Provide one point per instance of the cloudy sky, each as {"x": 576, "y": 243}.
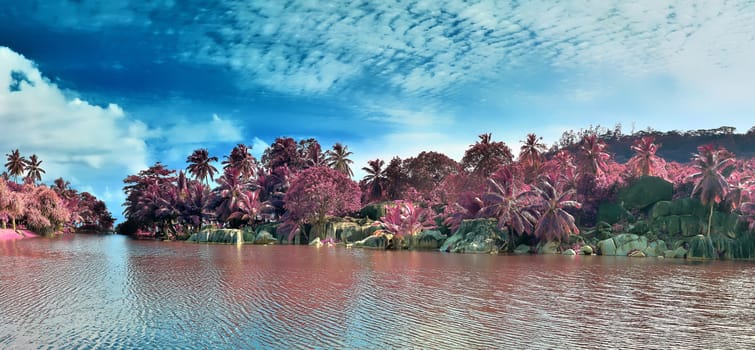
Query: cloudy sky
{"x": 100, "y": 89}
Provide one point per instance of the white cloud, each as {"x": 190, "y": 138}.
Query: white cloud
{"x": 258, "y": 147}
{"x": 86, "y": 144}
{"x": 68, "y": 134}
{"x": 434, "y": 46}
{"x": 196, "y": 132}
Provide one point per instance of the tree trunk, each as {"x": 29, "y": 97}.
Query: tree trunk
{"x": 710, "y": 218}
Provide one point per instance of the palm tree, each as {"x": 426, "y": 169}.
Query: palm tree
{"x": 592, "y": 155}
{"x": 249, "y": 206}
{"x": 16, "y": 164}
{"x": 554, "y": 222}
{"x": 485, "y": 156}
{"x": 645, "y": 162}
{"x": 33, "y": 170}
{"x": 504, "y": 204}
{"x": 199, "y": 165}
{"x": 337, "y": 159}
{"x": 375, "y": 178}
{"x": 242, "y": 160}
{"x": 531, "y": 151}
{"x": 230, "y": 193}
{"x": 710, "y": 182}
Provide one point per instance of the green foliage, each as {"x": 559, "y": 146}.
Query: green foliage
{"x": 645, "y": 192}
{"x": 613, "y": 213}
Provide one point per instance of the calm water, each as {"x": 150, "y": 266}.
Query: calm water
{"x": 110, "y": 291}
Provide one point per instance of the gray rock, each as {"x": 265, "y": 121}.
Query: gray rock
{"x": 625, "y": 243}
{"x": 233, "y": 236}
{"x": 549, "y": 248}
{"x": 569, "y": 252}
{"x": 429, "y": 239}
{"x": 316, "y": 242}
{"x": 264, "y": 237}
{"x": 474, "y": 236}
{"x": 655, "y": 248}
{"x": 607, "y": 247}
{"x": 522, "y": 249}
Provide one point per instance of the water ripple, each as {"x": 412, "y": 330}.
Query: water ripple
{"x": 111, "y": 292}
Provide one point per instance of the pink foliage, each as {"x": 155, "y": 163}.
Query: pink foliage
{"x": 645, "y": 162}
{"x": 554, "y": 222}
{"x": 320, "y": 191}
{"x": 710, "y": 182}
{"x": 404, "y": 219}
{"x": 44, "y": 210}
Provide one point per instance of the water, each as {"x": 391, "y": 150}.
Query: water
{"x": 113, "y": 292}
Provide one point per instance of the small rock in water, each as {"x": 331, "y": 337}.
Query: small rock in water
{"x": 586, "y": 249}
{"x": 636, "y": 254}
{"x": 569, "y": 252}
{"x": 316, "y": 242}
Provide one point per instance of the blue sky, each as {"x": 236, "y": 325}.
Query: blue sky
{"x": 102, "y": 89}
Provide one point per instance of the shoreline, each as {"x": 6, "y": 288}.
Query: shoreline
{"x": 11, "y": 235}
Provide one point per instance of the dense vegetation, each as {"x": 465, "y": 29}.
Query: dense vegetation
{"x": 544, "y": 195}
{"x": 42, "y": 209}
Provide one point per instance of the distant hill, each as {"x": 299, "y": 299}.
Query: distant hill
{"x": 676, "y": 146}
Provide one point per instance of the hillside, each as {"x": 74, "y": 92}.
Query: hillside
{"x": 676, "y": 146}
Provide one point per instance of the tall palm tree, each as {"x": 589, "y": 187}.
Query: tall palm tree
{"x": 485, "y": 156}
{"x": 230, "y": 193}
{"x": 645, "y": 162}
{"x": 33, "y": 170}
{"x": 16, "y": 164}
{"x": 710, "y": 179}
{"x": 241, "y": 160}
{"x": 337, "y": 159}
{"x": 375, "y": 178}
{"x": 531, "y": 151}
{"x": 199, "y": 165}
{"x": 592, "y": 155}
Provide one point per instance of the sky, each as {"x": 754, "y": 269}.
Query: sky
{"x": 100, "y": 90}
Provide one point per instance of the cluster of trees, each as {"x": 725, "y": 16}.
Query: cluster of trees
{"x": 46, "y": 209}
{"x": 294, "y": 182}
{"x": 299, "y": 185}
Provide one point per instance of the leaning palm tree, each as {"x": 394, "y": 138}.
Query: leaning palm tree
{"x": 710, "y": 180}
{"x": 199, "y": 165}
{"x": 375, "y": 178}
{"x": 33, "y": 170}
{"x": 16, "y": 164}
{"x": 337, "y": 159}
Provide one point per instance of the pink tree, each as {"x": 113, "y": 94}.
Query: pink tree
{"x": 318, "y": 192}
{"x": 554, "y": 223}
{"x": 710, "y": 179}
{"x": 645, "y": 162}
{"x": 44, "y": 212}
{"x": 12, "y": 205}
{"x": 485, "y": 156}
{"x": 404, "y": 219}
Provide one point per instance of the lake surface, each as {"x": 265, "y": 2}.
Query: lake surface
{"x": 114, "y": 292}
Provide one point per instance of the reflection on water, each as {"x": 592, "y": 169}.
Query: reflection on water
{"x": 109, "y": 291}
